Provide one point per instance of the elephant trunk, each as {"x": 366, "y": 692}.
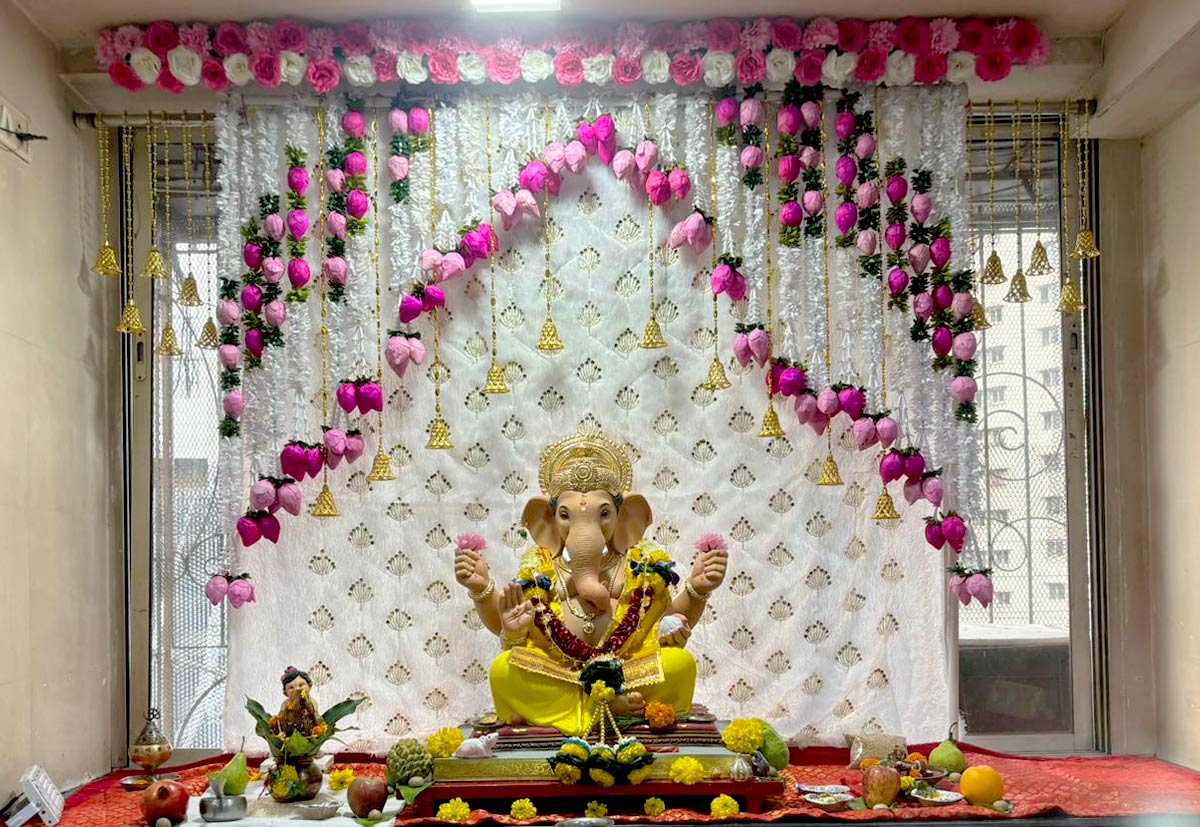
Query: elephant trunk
{"x": 586, "y": 546}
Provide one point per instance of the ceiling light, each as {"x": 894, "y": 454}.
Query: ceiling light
{"x": 487, "y": 6}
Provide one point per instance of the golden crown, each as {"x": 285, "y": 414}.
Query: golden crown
{"x": 585, "y": 462}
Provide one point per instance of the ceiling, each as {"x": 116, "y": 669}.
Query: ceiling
{"x": 74, "y": 21}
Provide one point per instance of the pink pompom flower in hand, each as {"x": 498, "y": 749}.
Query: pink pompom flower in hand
{"x": 248, "y": 531}
{"x": 711, "y": 542}
{"x": 241, "y": 592}
{"x": 216, "y": 589}
{"x": 471, "y": 542}
{"x": 347, "y": 396}
{"x": 262, "y": 494}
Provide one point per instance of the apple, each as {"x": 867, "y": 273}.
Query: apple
{"x": 366, "y": 794}
{"x": 881, "y": 785}
{"x": 165, "y": 799}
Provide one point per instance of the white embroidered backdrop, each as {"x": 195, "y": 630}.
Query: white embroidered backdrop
{"x": 828, "y": 623}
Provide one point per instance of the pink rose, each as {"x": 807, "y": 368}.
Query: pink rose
{"x": 664, "y": 37}
{"x": 727, "y": 111}
{"x": 383, "y": 63}
{"x": 418, "y": 120}
{"x": 810, "y": 67}
{"x": 230, "y": 39}
{"x": 786, "y": 34}
{"x": 273, "y": 226}
{"x": 791, "y": 214}
{"x": 266, "y": 68}
{"x": 275, "y": 313}
{"x": 357, "y": 203}
{"x": 993, "y": 65}
{"x": 943, "y": 36}
{"x": 626, "y": 70}
{"x": 752, "y": 113}
{"x": 752, "y": 157}
{"x": 658, "y": 188}
{"x": 686, "y": 68}
{"x": 161, "y": 37}
{"x": 820, "y": 33}
{"x": 974, "y": 35}
{"x": 353, "y": 123}
{"x": 398, "y": 119}
{"x": 354, "y": 38}
{"x": 913, "y": 35}
{"x": 398, "y": 167}
{"x": 751, "y": 67}
{"x": 213, "y": 75}
{"x": 723, "y": 34}
{"x": 443, "y": 67}
{"x": 929, "y": 68}
{"x": 503, "y": 67}
{"x": 335, "y": 179}
{"x": 290, "y": 36}
{"x": 871, "y": 65}
{"x": 470, "y": 541}
{"x": 568, "y": 69}
{"x": 355, "y": 163}
{"x": 298, "y": 273}
{"x": 168, "y": 82}
{"x": 1025, "y": 40}
{"x": 335, "y": 225}
{"x": 107, "y": 49}
{"x": 323, "y": 75}
{"x": 788, "y": 168}
{"x": 297, "y": 179}
{"x": 852, "y": 35}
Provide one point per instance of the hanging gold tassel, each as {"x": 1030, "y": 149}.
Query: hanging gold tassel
{"x": 131, "y": 320}
{"x": 189, "y": 294}
{"x": 381, "y": 468}
{"x": 324, "y": 505}
{"x": 1070, "y": 302}
{"x": 830, "y": 475}
{"x": 979, "y": 319}
{"x": 495, "y": 380}
{"x": 717, "y": 380}
{"x": 106, "y": 261}
{"x": 155, "y": 266}
{"x": 208, "y": 338}
{"x": 1018, "y": 291}
{"x": 548, "y": 341}
{"x": 885, "y": 508}
{"x": 993, "y": 271}
{"x": 168, "y": 343}
{"x": 771, "y": 429}
{"x": 652, "y": 339}
{"x": 1039, "y": 261}
{"x": 439, "y": 435}
{"x": 1085, "y": 245}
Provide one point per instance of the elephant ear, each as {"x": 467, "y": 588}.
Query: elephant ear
{"x": 538, "y": 517}
{"x": 633, "y": 518}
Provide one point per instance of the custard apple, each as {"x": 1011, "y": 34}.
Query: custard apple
{"x": 408, "y": 759}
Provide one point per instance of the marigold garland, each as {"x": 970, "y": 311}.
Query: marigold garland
{"x": 455, "y": 810}
{"x": 445, "y": 742}
{"x": 724, "y": 806}
{"x": 523, "y": 809}
{"x": 654, "y": 807}
{"x": 687, "y": 771}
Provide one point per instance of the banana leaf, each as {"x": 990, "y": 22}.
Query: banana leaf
{"x": 338, "y": 711}
{"x": 257, "y": 711}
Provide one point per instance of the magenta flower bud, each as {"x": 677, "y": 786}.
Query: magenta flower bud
{"x": 843, "y": 125}
{"x": 897, "y": 281}
{"x": 788, "y": 168}
{"x": 788, "y": 119}
{"x": 727, "y": 111}
{"x": 921, "y": 206}
{"x": 813, "y": 202}
{"x": 943, "y": 341}
{"x": 418, "y": 120}
{"x": 897, "y": 188}
{"x": 867, "y": 241}
{"x": 912, "y": 490}
{"x": 772, "y": 378}
{"x": 252, "y": 298}
{"x": 914, "y": 465}
{"x": 681, "y": 183}
{"x": 752, "y": 113}
{"x": 586, "y": 133}
{"x": 314, "y": 460}
{"x": 846, "y": 170}
{"x": 791, "y": 214}
{"x": 297, "y": 221}
{"x": 355, "y": 164}
{"x": 370, "y": 397}
{"x": 291, "y": 460}
{"x": 228, "y": 312}
{"x": 357, "y": 203}
{"x": 852, "y": 401}
{"x": 792, "y": 381}
{"x": 888, "y": 430}
{"x": 810, "y": 112}
{"x": 355, "y": 443}
{"x": 254, "y": 342}
{"x": 658, "y": 188}
{"x": 894, "y": 236}
{"x": 939, "y": 252}
{"x": 933, "y": 491}
{"x": 923, "y": 306}
{"x": 299, "y": 273}
{"x": 216, "y": 589}
{"x": 918, "y": 258}
{"x": 262, "y": 494}
{"x": 979, "y": 586}
{"x": 275, "y": 313}
{"x": 335, "y": 225}
{"x": 335, "y": 179}
{"x": 864, "y": 434}
{"x": 297, "y": 180}
{"x": 410, "y": 308}
{"x": 290, "y": 498}
{"x": 891, "y": 467}
{"x": 252, "y": 255}
{"x": 867, "y": 195}
{"x": 962, "y": 305}
{"x": 249, "y": 532}
{"x": 864, "y": 147}
{"x": 353, "y": 123}
{"x": 233, "y": 403}
{"x": 230, "y": 356}
{"x": 269, "y": 526}
{"x": 828, "y": 402}
{"x": 347, "y": 396}
{"x": 954, "y": 529}
{"x": 934, "y": 536}
{"x": 398, "y": 119}
{"x": 964, "y": 346}
{"x": 846, "y": 216}
{"x": 943, "y": 296}
{"x": 806, "y": 408}
{"x": 818, "y": 422}
{"x": 963, "y": 389}
{"x": 646, "y": 156}
{"x": 241, "y": 591}
{"x": 273, "y": 226}
{"x": 272, "y": 269}
{"x": 752, "y": 157}
{"x": 534, "y": 176}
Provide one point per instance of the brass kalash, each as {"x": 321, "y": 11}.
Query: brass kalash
{"x": 150, "y": 750}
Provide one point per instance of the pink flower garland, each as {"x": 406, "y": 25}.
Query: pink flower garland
{"x": 298, "y": 272}
{"x": 410, "y": 134}
{"x": 346, "y": 202}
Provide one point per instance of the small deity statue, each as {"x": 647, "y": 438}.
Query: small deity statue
{"x": 298, "y": 713}
{"x": 591, "y": 590}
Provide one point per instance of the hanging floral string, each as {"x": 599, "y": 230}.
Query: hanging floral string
{"x": 298, "y": 272}
{"x": 347, "y": 203}
{"x": 155, "y": 267}
{"x": 658, "y": 189}
{"x": 548, "y": 339}
{"x": 168, "y": 343}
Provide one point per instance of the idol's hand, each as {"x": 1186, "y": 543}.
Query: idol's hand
{"x": 709, "y": 571}
{"x": 471, "y": 570}
{"x": 516, "y": 613}
{"x": 679, "y": 637}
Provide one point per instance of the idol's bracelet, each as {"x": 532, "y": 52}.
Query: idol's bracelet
{"x": 479, "y": 597}
{"x": 693, "y": 592}
{"x": 509, "y": 642}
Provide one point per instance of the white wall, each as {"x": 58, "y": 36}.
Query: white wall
{"x": 60, "y": 562}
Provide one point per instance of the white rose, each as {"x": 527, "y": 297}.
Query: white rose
{"x": 411, "y": 68}
{"x": 900, "y": 69}
{"x": 145, "y": 64}
{"x": 359, "y": 70}
{"x": 656, "y": 67}
{"x": 718, "y": 69}
{"x": 960, "y": 67}
{"x": 837, "y": 69}
{"x": 471, "y": 69}
{"x": 598, "y": 69}
{"x": 184, "y": 65}
{"x": 781, "y": 63}
{"x": 293, "y": 66}
{"x": 237, "y": 69}
{"x": 536, "y": 66}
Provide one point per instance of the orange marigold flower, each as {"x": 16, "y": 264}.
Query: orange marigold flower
{"x": 660, "y": 715}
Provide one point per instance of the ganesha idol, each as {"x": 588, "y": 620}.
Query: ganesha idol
{"x": 590, "y": 590}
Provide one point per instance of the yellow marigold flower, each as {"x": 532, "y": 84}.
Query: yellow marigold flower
{"x": 595, "y": 809}
{"x": 523, "y": 809}
{"x": 687, "y": 771}
{"x": 654, "y": 807}
{"x": 444, "y": 742}
{"x": 630, "y": 752}
{"x": 660, "y": 715}
{"x": 907, "y": 782}
{"x": 724, "y": 806}
{"x": 320, "y": 729}
{"x": 574, "y": 750}
{"x": 454, "y": 810}
{"x": 567, "y": 774}
{"x": 602, "y": 777}
{"x": 341, "y": 779}
{"x": 279, "y": 789}
{"x": 288, "y": 773}
{"x": 659, "y": 556}
{"x": 743, "y": 735}
{"x": 639, "y": 775}
{"x": 602, "y": 692}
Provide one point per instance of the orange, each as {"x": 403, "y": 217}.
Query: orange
{"x": 982, "y": 785}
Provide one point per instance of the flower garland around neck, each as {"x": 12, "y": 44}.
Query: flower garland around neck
{"x": 410, "y": 135}
{"x": 263, "y": 311}
{"x": 298, "y": 272}
{"x": 347, "y": 202}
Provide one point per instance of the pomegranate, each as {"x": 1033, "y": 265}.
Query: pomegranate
{"x": 881, "y": 785}
{"x": 165, "y": 799}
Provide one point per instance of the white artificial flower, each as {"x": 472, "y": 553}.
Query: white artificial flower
{"x": 237, "y": 69}
{"x": 597, "y": 69}
{"x": 359, "y": 70}
{"x": 145, "y": 64}
{"x": 411, "y": 68}
{"x": 184, "y": 65}
{"x": 781, "y": 64}
{"x": 656, "y": 67}
{"x": 900, "y": 69}
{"x": 718, "y": 69}
{"x": 471, "y": 68}
{"x": 293, "y": 66}
{"x": 536, "y": 66}
{"x": 837, "y": 69}
{"x": 960, "y": 67}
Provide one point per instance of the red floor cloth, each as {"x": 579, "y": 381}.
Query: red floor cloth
{"x": 1096, "y": 787}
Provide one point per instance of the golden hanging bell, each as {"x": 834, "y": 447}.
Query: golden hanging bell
{"x": 168, "y": 343}
{"x": 208, "y": 338}
{"x": 106, "y": 261}
{"x": 717, "y": 380}
{"x": 324, "y": 507}
{"x": 548, "y": 341}
{"x": 1039, "y": 261}
{"x": 189, "y": 294}
{"x": 830, "y": 475}
{"x": 1018, "y": 291}
{"x": 652, "y": 339}
{"x": 439, "y": 435}
{"x": 495, "y": 380}
{"x": 885, "y": 509}
{"x": 131, "y": 320}
{"x": 381, "y": 468}
{"x": 1085, "y": 245}
{"x": 155, "y": 266}
{"x": 1070, "y": 302}
{"x": 993, "y": 271}
{"x": 979, "y": 319}
{"x": 771, "y": 429}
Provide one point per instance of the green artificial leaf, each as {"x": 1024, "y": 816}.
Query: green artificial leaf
{"x": 409, "y": 794}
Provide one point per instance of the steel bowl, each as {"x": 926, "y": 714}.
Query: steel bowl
{"x": 319, "y": 811}
{"x": 225, "y": 808}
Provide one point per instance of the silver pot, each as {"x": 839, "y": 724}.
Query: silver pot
{"x": 225, "y": 808}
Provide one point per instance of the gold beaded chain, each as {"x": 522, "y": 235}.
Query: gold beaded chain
{"x": 131, "y": 318}
{"x": 106, "y": 259}
{"x": 381, "y": 467}
{"x": 164, "y": 159}
{"x": 1018, "y": 292}
{"x": 993, "y": 270}
{"x": 652, "y": 338}
{"x": 495, "y": 382}
{"x": 324, "y": 506}
{"x": 1039, "y": 263}
{"x": 548, "y": 341}
{"x": 717, "y": 380}
{"x": 439, "y": 431}
{"x": 155, "y": 267}
{"x": 830, "y": 474}
{"x": 771, "y": 429}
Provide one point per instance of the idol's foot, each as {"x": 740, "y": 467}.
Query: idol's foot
{"x": 631, "y": 703}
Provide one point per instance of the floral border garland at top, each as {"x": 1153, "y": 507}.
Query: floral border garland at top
{"x": 714, "y": 52}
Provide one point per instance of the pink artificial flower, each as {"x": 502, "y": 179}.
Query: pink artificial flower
{"x": 241, "y": 591}
{"x": 212, "y": 72}
{"x": 398, "y": 119}
{"x": 554, "y": 155}
{"x": 809, "y": 158}
{"x": 161, "y": 37}
{"x": 760, "y": 345}
{"x": 418, "y": 120}
{"x": 471, "y": 541}
{"x": 788, "y": 120}
{"x": 1024, "y": 39}
{"x": 503, "y": 67}
{"x": 335, "y": 179}
{"x": 228, "y": 313}
{"x": 727, "y": 111}
{"x": 216, "y": 589}
{"x": 273, "y": 226}
{"x": 568, "y": 69}
{"x": 756, "y": 35}
{"x": 267, "y": 70}
{"x": 811, "y": 112}
{"x": 791, "y": 214}
{"x": 693, "y": 36}
{"x": 913, "y": 35}
{"x": 383, "y": 63}
{"x": 410, "y": 308}
{"x": 357, "y": 203}
{"x": 646, "y": 156}
{"x": 258, "y": 36}
{"x": 320, "y": 43}
{"x": 297, "y": 180}
{"x": 106, "y": 48}
{"x": 864, "y": 147}
{"x": 233, "y": 403}
{"x": 272, "y": 269}
{"x": 230, "y": 39}
{"x": 711, "y": 542}
{"x": 230, "y": 356}
{"x": 786, "y": 34}
{"x": 353, "y": 123}
{"x": 126, "y": 39}
{"x": 335, "y": 225}
{"x": 852, "y": 35}
{"x": 882, "y": 33}
{"x": 663, "y": 37}
{"x": 866, "y": 241}
{"x": 846, "y": 216}
{"x": 974, "y": 36}
{"x": 398, "y": 167}
{"x": 323, "y": 74}
{"x": 751, "y": 67}
{"x": 993, "y": 64}
{"x": 810, "y": 67}
{"x": 631, "y": 40}
{"x": 123, "y": 76}
{"x": 930, "y": 68}
{"x": 658, "y": 187}
{"x": 335, "y": 270}
{"x": 846, "y": 168}
{"x": 723, "y": 34}
{"x": 820, "y": 33}
{"x": 275, "y": 313}
{"x": 443, "y": 67}
{"x": 354, "y": 39}
{"x": 752, "y": 113}
{"x": 788, "y": 168}
{"x": 289, "y": 36}
{"x": 626, "y": 70}
{"x": 943, "y": 36}
{"x": 575, "y": 156}
{"x": 752, "y": 157}
{"x": 168, "y": 82}
{"x": 418, "y": 36}
{"x": 624, "y": 165}
{"x": 871, "y": 65}
{"x": 686, "y": 68}
{"x": 505, "y": 203}
{"x": 681, "y": 183}
{"x": 355, "y": 163}
{"x": 813, "y": 202}
{"x": 534, "y": 176}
